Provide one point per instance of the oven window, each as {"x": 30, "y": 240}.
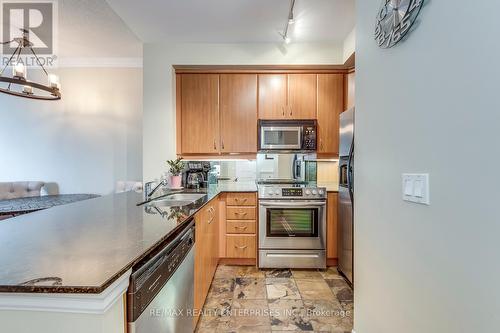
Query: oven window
{"x": 292, "y": 222}
{"x": 281, "y": 137}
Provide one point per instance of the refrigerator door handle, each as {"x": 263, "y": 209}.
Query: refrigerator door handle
{"x": 349, "y": 170}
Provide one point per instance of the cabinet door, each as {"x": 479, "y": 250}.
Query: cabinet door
{"x": 330, "y": 105}
{"x": 301, "y": 96}
{"x": 200, "y": 262}
{"x": 331, "y": 226}
{"x": 350, "y": 89}
{"x": 213, "y": 248}
{"x": 238, "y": 113}
{"x": 199, "y": 113}
{"x": 272, "y": 96}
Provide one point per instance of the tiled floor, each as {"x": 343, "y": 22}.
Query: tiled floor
{"x": 245, "y": 299}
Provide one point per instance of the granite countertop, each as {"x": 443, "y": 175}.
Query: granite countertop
{"x": 85, "y": 246}
{"x": 31, "y": 204}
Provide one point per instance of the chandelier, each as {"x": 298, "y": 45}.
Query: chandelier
{"x": 18, "y": 84}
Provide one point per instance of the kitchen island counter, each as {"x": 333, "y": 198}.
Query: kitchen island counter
{"x": 85, "y": 246}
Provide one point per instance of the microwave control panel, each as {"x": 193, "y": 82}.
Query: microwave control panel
{"x": 309, "y": 134}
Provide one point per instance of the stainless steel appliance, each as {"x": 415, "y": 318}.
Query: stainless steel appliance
{"x": 292, "y": 226}
{"x": 196, "y": 174}
{"x": 287, "y": 135}
{"x": 346, "y": 195}
{"x": 160, "y": 294}
{"x": 286, "y": 168}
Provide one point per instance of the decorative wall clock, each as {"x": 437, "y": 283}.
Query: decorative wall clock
{"x": 394, "y": 20}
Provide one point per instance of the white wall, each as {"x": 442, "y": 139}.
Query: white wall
{"x": 349, "y": 45}
{"x": 430, "y": 104}
{"x": 85, "y": 142}
{"x": 93, "y": 136}
{"x": 159, "y": 83}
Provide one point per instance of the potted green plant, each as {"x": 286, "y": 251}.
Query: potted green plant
{"x": 175, "y": 167}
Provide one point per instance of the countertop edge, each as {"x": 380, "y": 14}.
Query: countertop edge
{"x": 67, "y": 303}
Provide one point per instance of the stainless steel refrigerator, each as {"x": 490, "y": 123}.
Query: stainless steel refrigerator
{"x": 346, "y": 195}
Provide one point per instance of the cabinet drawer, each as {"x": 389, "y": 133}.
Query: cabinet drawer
{"x": 241, "y": 199}
{"x": 240, "y": 213}
{"x": 240, "y": 227}
{"x": 241, "y": 246}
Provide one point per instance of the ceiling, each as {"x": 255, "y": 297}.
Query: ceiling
{"x": 235, "y": 21}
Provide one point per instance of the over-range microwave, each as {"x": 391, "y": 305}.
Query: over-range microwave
{"x": 287, "y": 135}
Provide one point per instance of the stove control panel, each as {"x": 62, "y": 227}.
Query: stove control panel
{"x": 286, "y": 192}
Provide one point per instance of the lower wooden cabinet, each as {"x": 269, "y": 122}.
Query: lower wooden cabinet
{"x": 331, "y": 226}
{"x": 206, "y": 252}
{"x": 239, "y": 229}
{"x": 240, "y": 246}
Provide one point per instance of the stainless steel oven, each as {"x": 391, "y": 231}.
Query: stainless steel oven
{"x": 292, "y": 227}
{"x": 287, "y": 135}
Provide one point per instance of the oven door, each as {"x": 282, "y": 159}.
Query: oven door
{"x": 280, "y": 138}
{"x": 293, "y": 224}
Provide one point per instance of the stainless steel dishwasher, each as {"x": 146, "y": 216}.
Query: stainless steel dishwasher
{"x": 160, "y": 296}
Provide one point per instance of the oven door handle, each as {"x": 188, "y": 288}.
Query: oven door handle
{"x": 292, "y": 203}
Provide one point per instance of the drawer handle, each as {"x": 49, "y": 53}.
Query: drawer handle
{"x": 243, "y": 227}
{"x": 241, "y": 247}
{"x": 238, "y": 199}
{"x": 243, "y": 213}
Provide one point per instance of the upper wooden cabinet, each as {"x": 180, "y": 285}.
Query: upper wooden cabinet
{"x": 272, "y": 96}
{"x": 199, "y": 113}
{"x": 287, "y": 96}
{"x": 238, "y": 113}
{"x": 217, "y": 112}
{"x": 330, "y": 105}
{"x": 302, "y": 96}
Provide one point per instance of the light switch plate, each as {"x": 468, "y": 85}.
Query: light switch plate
{"x": 416, "y": 188}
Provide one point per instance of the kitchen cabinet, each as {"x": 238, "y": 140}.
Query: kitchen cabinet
{"x": 206, "y": 252}
{"x": 273, "y": 96}
{"x": 238, "y": 113}
{"x": 287, "y": 96}
{"x": 241, "y": 246}
{"x": 240, "y": 229}
{"x": 330, "y": 105}
{"x": 217, "y": 110}
{"x": 199, "y": 113}
{"x": 331, "y": 225}
{"x": 302, "y": 96}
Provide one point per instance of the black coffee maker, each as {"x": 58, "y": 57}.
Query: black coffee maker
{"x": 196, "y": 174}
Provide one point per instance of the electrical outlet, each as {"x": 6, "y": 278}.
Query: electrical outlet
{"x": 416, "y": 188}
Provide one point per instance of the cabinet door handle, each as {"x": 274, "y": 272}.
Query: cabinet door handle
{"x": 240, "y": 247}
{"x": 211, "y": 220}
{"x": 321, "y": 144}
{"x": 222, "y": 144}
{"x": 290, "y": 107}
{"x": 242, "y": 228}
{"x": 283, "y": 110}
{"x": 215, "y": 146}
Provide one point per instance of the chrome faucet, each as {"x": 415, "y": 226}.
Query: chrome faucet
{"x": 148, "y": 194}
